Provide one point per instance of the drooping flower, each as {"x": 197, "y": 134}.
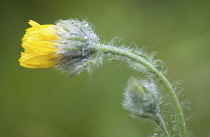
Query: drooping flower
{"x": 67, "y": 45}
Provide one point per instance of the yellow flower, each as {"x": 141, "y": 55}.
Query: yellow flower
{"x": 39, "y": 46}
{"x": 67, "y": 45}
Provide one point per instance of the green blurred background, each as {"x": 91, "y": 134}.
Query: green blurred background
{"x": 44, "y": 103}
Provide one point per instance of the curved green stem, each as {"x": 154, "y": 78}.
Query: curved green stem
{"x": 154, "y": 70}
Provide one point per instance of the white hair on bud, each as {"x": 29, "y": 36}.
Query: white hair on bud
{"x": 141, "y": 97}
{"x": 76, "y": 39}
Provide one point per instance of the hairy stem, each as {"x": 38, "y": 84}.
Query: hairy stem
{"x": 158, "y": 119}
{"x": 154, "y": 70}
{"x": 162, "y": 124}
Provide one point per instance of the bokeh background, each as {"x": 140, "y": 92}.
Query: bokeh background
{"x": 45, "y": 103}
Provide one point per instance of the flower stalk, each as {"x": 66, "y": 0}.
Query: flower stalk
{"x": 152, "y": 69}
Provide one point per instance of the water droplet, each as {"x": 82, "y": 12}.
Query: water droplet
{"x": 86, "y": 24}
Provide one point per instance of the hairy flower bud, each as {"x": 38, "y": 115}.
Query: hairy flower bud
{"x": 76, "y": 39}
{"x": 141, "y": 98}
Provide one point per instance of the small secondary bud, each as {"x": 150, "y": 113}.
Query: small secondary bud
{"x": 141, "y": 98}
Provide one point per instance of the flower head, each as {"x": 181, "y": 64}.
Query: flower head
{"x": 67, "y": 45}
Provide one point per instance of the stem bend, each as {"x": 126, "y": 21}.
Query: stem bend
{"x": 154, "y": 70}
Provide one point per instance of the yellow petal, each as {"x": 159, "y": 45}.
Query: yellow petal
{"x": 39, "y": 45}
{"x": 37, "y": 61}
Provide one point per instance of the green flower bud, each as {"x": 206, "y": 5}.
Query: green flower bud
{"x": 141, "y": 98}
